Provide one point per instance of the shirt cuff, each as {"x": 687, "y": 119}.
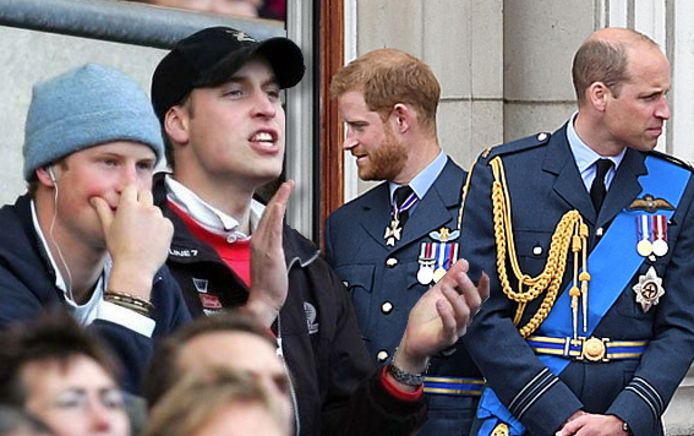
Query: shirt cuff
{"x": 125, "y": 317}
{"x": 396, "y": 391}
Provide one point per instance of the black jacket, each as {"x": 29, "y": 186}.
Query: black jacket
{"x": 337, "y": 388}
{"x": 27, "y": 289}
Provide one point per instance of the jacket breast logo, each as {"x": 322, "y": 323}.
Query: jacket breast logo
{"x": 311, "y": 315}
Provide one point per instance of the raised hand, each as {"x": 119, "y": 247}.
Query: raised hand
{"x": 137, "y": 237}
{"x": 440, "y": 317}
{"x": 269, "y": 282}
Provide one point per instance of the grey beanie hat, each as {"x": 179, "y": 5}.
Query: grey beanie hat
{"x": 84, "y": 107}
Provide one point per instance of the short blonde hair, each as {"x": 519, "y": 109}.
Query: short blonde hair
{"x": 197, "y": 397}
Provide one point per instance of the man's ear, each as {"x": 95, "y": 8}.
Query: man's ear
{"x": 403, "y": 117}
{"x": 46, "y": 176}
{"x": 176, "y": 123}
{"x": 597, "y": 95}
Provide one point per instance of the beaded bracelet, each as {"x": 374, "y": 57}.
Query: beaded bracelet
{"x": 405, "y": 377}
{"x": 131, "y": 302}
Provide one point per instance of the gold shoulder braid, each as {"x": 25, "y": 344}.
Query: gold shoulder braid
{"x": 569, "y": 232}
{"x": 463, "y": 193}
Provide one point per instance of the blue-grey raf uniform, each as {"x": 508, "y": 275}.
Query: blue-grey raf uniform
{"x": 634, "y": 382}
{"x": 383, "y": 284}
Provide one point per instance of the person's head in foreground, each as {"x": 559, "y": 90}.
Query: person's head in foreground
{"x": 231, "y": 340}
{"x": 56, "y": 371}
{"x": 219, "y": 402}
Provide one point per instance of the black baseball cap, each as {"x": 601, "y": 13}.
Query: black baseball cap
{"x": 211, "y": 56}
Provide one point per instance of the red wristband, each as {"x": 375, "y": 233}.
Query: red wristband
{"x": 394, "y": 390}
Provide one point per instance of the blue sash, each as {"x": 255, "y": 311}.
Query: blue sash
{"x": 663, "y": 180}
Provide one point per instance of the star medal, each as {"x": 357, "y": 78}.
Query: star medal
{"x": 660, "y": 247}
{"x": 426, "y": 261}
{"x": 649, "y": 289}
{"x": 643, "y": 230}
{"x": 393, "y": 232}
{"x": 394, "y": 229}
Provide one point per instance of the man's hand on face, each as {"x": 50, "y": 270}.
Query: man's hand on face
{"x": 137, "y": 237}
{"x": 269, "y": 282}
{"x": 440, "y": 317}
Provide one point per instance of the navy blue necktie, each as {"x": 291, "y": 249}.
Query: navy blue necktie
{"x": 400, "y": 195}
{"x": 597, "y": 189}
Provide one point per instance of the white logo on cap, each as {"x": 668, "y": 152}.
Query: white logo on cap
{"x": 240, "y": 36}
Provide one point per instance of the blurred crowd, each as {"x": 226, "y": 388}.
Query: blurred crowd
{"x": 270, "y": 9}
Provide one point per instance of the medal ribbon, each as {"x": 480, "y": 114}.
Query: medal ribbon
{"x": 663, "y": 179}
{"x": 660, "y": 226}
{"x": 441, "y": 255}
{"x": 644, "y": 228}
{"x": 409, "y": 202}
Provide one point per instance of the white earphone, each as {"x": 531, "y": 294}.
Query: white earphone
{"x": 51, "y": 174}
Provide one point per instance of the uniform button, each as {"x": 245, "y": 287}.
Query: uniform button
{"x": 599, "y": 231}
{"x": 391, "y": 262}
{"x": 346, "y": 283}
{"x": 382, "y": 356}
{"x": 386, "y": 307}
{"x": 537, "y": 250}
{"x": 541, "y": 136}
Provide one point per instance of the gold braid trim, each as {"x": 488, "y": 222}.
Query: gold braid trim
{"x": 466, "y": 188}
{"x": 530, "y": 288}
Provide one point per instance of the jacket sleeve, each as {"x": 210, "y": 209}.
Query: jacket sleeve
{"x": 357, "y": 402}
{"x": 669, "y": 354}
{"x": 22, "y": 303}
{"x": 523, "y": 383}
{"x": 18, "y": 302}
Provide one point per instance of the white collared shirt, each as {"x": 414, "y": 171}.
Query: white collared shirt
{"x": 95, "y": 307}
{"x": 208, "y": 216}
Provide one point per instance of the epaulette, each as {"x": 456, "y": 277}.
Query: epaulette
{"x": 526, "y": 143}
{"x": 672, "y": 159}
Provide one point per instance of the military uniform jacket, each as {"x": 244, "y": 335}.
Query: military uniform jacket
{"x": 338, "y": 390}
{"x": 544, "y": 183}
{"x": 382, "y": 280}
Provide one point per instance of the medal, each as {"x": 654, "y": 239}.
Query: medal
{"x": 426, "y": 260}
{"x": 438, "y": 274}
{"x": 644, "y": 248}
{"x": 660, "y": 247}
{"x": 425, "y": 275}
{"x": 643, "y": 233}
{"x": 393, "y": 232}
{"x": 394, "y": 229}
{"x": 446, "y": 252}
{"x": 649, "y": 289}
